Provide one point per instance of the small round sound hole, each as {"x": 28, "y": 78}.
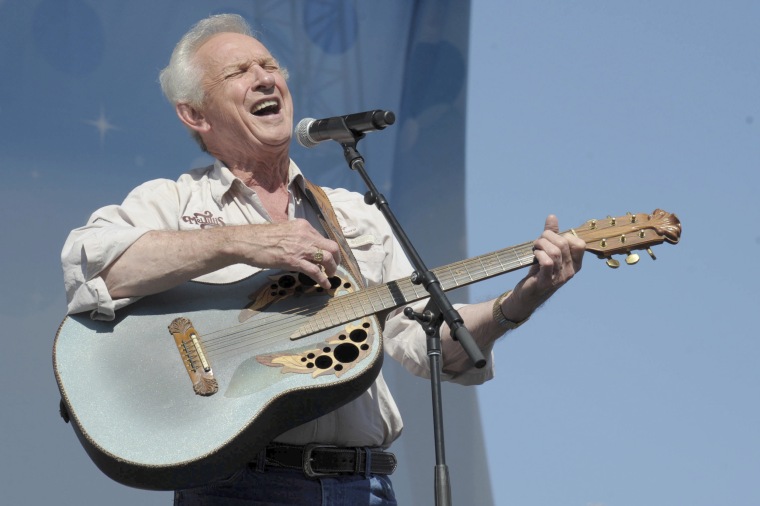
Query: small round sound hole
{"x": 358, "y": 335}
{"x": 306, "y": 280}
{"x": 286, "y": 281}
{"x": 323, "y": 362}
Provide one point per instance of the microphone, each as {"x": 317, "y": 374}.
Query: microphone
{"x": 311, "y": 132}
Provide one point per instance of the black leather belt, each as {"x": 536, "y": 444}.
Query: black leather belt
{"x": 324, "y": 460}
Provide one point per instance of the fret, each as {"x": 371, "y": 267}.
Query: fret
{"x": 348, "y": 308}
{"x": 501, "y": 264}
{"x": 384, "y": 297}
{"x": 453, "y": 275}
{"x": 343, "y": 307}
{"x": 467, "y": 268}
{"x": 329, "y": 313}
{"x": 490, "y": 263}
{"x": 482, "y": 266}
{"x": 372, "y": 307}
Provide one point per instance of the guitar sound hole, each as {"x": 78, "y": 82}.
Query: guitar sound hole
{"x": 286, "y": 281}
{"x": 358, "y": 335}
{"x": 323, "y": 362}
{"x": 306, "y": 280}
{"x": 346, "y": 353}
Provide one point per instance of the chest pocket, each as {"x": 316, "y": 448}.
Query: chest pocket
{"x": 369, "y": 253}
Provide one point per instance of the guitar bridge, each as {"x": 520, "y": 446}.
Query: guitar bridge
{"x": 191, "y": 350}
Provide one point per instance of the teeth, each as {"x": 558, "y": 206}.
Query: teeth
{"x": 264, "y": 105}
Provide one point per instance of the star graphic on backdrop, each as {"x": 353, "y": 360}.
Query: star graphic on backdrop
{"x": 102, "y": 124}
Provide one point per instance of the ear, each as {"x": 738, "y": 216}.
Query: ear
{"x": 192, "y": 117}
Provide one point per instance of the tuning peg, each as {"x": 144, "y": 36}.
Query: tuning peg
{"x": 632, "y": 258}
{"x": 651, "y": 253}
{"x": 612, "y": 263}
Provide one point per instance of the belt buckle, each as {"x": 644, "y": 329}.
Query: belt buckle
{"x": 307, "y": 459}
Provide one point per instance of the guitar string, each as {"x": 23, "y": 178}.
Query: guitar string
{"x": 237, "y": 337}
{"x": 277, "y": 323}
{"x": 522, "y": 253}
{"x": 283, "y": 325}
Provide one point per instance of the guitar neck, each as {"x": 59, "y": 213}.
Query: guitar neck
{"x": 397, "y": 293}
{"x": 605, "y": 238}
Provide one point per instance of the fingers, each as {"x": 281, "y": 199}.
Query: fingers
{"x": 315, "y": 255}
{"x": 559, "y": 257}
{"x": 323, "y": 263}
{"x": 552, "y": 224}
{"x": 293, "y": 245}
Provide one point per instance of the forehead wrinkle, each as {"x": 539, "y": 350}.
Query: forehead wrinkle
{"x": 230, "y": 56}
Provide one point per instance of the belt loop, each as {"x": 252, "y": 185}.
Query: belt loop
{"x": 367, "y": 462}
{"x": 261, "y": 461}
{"x": 357, "y": 460}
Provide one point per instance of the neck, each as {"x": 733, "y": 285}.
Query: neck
{"x": 269, "y": 175}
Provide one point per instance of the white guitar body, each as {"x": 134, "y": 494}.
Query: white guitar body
{"x": 129, "y": 391}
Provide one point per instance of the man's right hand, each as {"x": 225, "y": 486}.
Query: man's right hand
{"x": 292, "y": 245}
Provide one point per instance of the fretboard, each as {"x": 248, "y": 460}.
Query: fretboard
{"x": 397, "y": 293}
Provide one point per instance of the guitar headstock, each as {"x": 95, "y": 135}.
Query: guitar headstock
{"x": 625, "y": 234}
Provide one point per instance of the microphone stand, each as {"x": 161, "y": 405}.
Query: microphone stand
{"x": 438, "y": 309}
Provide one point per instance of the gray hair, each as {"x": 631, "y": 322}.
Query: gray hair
{"x": 181, "y": 79}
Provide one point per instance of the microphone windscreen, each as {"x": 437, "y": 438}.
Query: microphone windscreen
{"x": 302, "y": 133}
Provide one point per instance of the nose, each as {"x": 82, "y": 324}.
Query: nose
{"x": 264, "y": 79}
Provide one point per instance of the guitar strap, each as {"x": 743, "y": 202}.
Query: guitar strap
{"x": 321, "y": 204}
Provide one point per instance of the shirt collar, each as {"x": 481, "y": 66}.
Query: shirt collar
{"x": 222, "y": 180}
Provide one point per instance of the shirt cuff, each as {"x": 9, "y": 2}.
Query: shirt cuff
{"x": 93, "y": 296}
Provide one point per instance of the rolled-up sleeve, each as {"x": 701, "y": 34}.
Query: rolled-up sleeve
{"x": 406, "y": 342}
{"x": 108, "y": 233}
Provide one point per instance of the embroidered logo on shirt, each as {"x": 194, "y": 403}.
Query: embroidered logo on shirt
{"x": 205, "y": 220}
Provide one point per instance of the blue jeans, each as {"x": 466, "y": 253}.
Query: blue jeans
{"x": 280, "y": 486}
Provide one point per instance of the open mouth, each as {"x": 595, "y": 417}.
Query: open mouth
{"x": 266, "y": 108}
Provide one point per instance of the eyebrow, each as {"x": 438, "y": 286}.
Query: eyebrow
{"x": 262, "y": 61}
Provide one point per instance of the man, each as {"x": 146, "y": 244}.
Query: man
{"x": 248, "y": 212}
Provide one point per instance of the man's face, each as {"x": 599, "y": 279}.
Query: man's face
{"x": 247, "y": 104}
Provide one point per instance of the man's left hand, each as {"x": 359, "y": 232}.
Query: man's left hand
{"x": 558, "y": 259}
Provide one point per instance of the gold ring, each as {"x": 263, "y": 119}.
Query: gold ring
{"x": 318, "y": 256}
